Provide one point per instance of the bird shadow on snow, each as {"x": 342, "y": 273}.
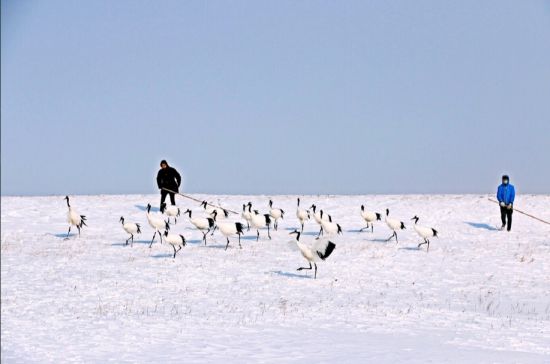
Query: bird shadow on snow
{"x": 479, "y": 225}
{"x": 64, "y": 235}
{"x": 195, "y": 241}
{"x": 147, "y": 242}
{"x": 380, "y": 241}
{"x": 290, "y": 275}
{"x": 410, "y": 248}
{"x": 365, "y": 232}
{"x": 299, "y": 228}
{"x": 159, "y": 256}
{"x": 144, "y": 208}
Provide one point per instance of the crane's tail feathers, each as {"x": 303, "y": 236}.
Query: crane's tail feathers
{"x": 138, "y": 228}
{"x": 402, "y": 226}
{"x": 378, "y": 216}
{"x": 328, "y": 251}
{"x": 434, "y": 231}
{"x": 239, "y": 227}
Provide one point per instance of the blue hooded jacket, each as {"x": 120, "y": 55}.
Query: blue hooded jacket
{"x": 506, "y": 193}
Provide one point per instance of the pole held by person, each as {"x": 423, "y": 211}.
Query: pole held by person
{"x": 524, "y": 213}
{"x": 197, "y": 200}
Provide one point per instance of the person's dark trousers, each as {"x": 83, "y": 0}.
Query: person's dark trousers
{"x": 506, "y": 214}
{"x": 163, "y": 194}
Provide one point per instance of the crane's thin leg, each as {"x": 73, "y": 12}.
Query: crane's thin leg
{"x": 257, "y": 235}
{"x": 204, "y": 237}
{"x": 301, "y": 268}
{"x": 227, "y": 243}
{"x": 240, "y": 241}
{"x": 315, "y": 270}
{"x": 155, "y": 234}
{"x": 68, "y": 232}
{"x": 424, "y": 242}
{"x": 268, "y": 234}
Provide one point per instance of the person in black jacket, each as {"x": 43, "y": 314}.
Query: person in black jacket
{"x": 168, "y": 178}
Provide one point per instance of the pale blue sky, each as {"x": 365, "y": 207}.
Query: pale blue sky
{"x": 275, "y": 97}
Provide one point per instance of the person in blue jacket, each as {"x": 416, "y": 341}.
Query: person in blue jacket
{"x": 505, "y": 196}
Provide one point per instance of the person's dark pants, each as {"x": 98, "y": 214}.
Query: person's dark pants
{"x": 163, "y": 194}
{"x": 506, "y": 214}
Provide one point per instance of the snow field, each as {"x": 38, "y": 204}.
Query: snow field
{"x": 479, "y": 294}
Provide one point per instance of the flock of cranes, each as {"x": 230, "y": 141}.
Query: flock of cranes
{"x": 216, "y": 218}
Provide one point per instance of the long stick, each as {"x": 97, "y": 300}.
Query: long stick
{"x": 525, "y": 213}
{"x": 194, "y": 199}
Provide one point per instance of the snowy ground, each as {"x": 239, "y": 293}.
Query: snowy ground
{"x": 479, "y": 295}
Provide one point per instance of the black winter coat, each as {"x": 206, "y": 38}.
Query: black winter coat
{"x": 169, "y": 178}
